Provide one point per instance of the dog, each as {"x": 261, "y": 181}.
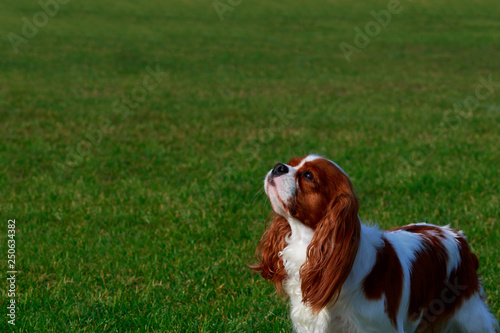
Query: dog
{"x": 344, "y": 276}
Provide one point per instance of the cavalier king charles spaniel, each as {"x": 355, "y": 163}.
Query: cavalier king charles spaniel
{"x": 344, "y": 276}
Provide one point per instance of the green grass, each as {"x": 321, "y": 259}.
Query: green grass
{"x": 150, "y": 228}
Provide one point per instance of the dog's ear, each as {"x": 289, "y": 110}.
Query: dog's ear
{"x": 273, "y": 241}
{"x": 331, "y": 253}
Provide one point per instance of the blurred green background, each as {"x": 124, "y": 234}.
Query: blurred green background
{"x": 138, "y": 196}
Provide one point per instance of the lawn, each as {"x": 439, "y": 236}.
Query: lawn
{"x": 135, "y": 138}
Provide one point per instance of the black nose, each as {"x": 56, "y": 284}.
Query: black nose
{"x": 279, "y": 169}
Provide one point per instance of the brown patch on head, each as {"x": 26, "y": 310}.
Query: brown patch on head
{"x": 295, "y": 161}
{"x": 319, "y": 182}
{"x": 270, "y": 265}
{"x": 386, "y": 278}
{"x": 432, "y": 293}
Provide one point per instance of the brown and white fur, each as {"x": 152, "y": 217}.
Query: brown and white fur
{"x": 344, "y": 276}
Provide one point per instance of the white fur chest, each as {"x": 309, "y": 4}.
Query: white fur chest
{"x": 294, "y": 256}
{"x": 340, "y": 317}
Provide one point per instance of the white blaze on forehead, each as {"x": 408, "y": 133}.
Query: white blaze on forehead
{"x": 313, "y": 157}
{"x": 306, "y": 159}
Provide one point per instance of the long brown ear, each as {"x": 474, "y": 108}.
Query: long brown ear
{"x": 331, "y": 254}
{"x": 272, "y": 242}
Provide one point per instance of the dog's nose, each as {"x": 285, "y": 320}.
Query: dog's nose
{"x": 279, "y": 169}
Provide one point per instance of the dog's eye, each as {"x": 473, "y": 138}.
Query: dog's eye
{"x": 307, "y": 175}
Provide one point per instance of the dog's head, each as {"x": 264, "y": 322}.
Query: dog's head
{"x": 307, "y": 188}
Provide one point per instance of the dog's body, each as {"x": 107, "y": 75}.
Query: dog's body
{"x": 343, "y": 276}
